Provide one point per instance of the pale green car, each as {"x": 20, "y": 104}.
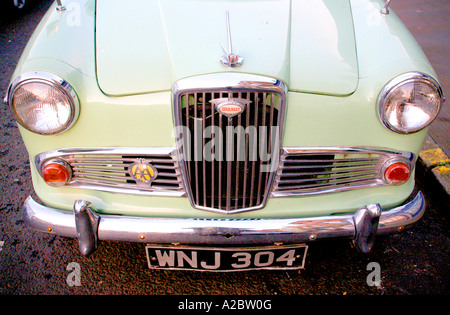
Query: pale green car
{"x": 226, "y": 135}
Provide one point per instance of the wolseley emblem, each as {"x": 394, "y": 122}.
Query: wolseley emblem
{"x": 142, "y": 172}
{"x": 230, "y": 58}
{"x": 230, "y": 107}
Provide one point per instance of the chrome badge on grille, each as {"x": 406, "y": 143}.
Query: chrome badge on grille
{"x": 230, "y": 107}
{"x": 142, "y": 172}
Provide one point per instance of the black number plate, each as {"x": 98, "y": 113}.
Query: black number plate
{"x": 226, "y": 258}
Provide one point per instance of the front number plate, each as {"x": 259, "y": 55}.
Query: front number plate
{"x": 226, "y": 259}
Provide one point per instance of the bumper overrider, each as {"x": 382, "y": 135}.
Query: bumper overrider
{"x": 89, "y": 227}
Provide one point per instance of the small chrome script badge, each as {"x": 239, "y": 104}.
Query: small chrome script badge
{"x": 230, "y": 107}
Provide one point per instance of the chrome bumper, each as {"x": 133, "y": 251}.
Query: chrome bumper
{"x": 89, "y": 227}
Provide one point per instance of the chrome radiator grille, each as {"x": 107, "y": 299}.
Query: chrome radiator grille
{"x": 306, "y": 171}
{"x": 229, "y": 162}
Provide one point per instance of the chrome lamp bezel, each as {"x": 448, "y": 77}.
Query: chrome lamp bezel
{"x": 397, "y": 82}
{"x": 54, "y": 81}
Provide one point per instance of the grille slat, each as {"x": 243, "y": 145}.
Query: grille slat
{"x": 341, "y": 166}
{"x": 322, "y": 187}
{"x": 317, "y": 173}
{"x": 79, "y": 174}
{"x": 327, "y": 161}
{"x": 329, "y": 178}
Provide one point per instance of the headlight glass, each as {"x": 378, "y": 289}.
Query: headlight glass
{"x": 43, "y": 103}
{"x": 410, "y": 102}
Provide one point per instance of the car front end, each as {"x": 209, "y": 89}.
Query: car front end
{"x": 139, "y": 130}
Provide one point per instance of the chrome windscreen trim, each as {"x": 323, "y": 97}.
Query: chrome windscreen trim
{"x": 105, "y": 169}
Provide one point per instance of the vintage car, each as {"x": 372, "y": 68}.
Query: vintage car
{"x": 223, "y": 135}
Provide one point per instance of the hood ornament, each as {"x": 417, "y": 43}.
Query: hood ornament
{"x": 230, "y": 59}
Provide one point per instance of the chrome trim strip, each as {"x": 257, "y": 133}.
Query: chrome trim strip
{"x": 228, "y": 81}
{"x": 66, "y": 154}
{"x": 224, "y": 231}
{"x": 346, "y": 150}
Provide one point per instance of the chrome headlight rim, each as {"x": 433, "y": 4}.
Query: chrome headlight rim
{"x": 54, "y": 81}
{"x": 399, "y": 81}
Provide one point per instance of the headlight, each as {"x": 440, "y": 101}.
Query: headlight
{"x": 410, "y": 102}
{"x": 43, "y": 103}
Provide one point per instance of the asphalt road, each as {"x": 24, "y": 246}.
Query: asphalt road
{"x": 415, "y": 261}
{"x": 429, "y": 22}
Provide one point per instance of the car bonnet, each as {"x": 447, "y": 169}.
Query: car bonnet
{"x": 147, "y": 45}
